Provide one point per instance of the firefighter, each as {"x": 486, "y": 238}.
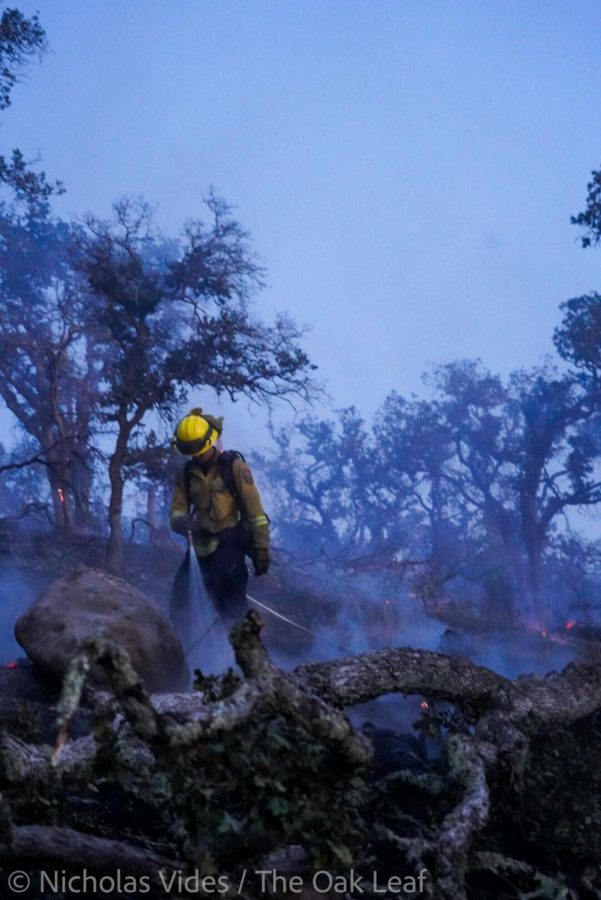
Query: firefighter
{"x": 217, "y": 503}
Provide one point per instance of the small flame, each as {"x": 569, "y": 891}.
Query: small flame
{"x": 544, "y": 632}
{"x": 424, "y": 705}
{"x": 61, "y": 495}
{"x": 12, "y": 665}
{"x": 570, "y": 624}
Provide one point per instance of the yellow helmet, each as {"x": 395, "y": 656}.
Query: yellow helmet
{"x": 196, "y": 433}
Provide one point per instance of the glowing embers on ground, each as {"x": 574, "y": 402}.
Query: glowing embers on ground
{"x": 573, "y": 631}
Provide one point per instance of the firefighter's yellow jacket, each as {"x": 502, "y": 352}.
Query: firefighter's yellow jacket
{"x": 215, "y": 508}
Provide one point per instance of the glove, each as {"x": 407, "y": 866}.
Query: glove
{"x": 182, "y": 524}
{"x": 260, "y": 558}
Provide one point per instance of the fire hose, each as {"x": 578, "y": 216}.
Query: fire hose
{"x": 272, "y": 612}
{"x": 278, "y": 615}
{"x": 265, "y": 608}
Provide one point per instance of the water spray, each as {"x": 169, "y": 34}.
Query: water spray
{"x": 208, "y": 647}
{"x": 196, "y": 586}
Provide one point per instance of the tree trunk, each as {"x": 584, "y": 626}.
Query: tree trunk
{"x": 85, "y": 399}
{"x": 534, "y": 543}
{"x": 151, "y": 513}
{"x": 115, "y": 545}
{"x": 81, "y": 480}
{"x": 535, "y": 577}
{"x": 58, "y": 492}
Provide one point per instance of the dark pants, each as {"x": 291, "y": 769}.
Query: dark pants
{"x": 225, "y": 578}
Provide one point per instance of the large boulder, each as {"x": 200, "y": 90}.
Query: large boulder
{"x": 92, "y": 603}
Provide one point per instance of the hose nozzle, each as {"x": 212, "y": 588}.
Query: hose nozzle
{"x": 190, "y": 541}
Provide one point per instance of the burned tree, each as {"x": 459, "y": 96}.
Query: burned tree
{"x": 174, "y": 316}
{"x": 46, "y": 360}
{"x": 466, "y": 487}
{"x": 322, "y": 480}
{"x": 153, "y": 467}
{"x": 21, "y": 40}
{"x": 494, "y": 465}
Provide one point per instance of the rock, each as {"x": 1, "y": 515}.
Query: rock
{"x": 93, "y": 603}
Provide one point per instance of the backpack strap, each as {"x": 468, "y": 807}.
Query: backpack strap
{"x": 226, "y": 464}
{"x": 227, "y": 460}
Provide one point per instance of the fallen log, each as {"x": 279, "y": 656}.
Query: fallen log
{"x": 170, "y": 737}
{"x": 74, "y": 850}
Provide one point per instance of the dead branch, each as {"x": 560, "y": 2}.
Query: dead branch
{"x": 37, "y": 458}
{"x": 125, "y": 682}
{"x": 266, "y": 689}
{"x": 505, "y": 715}
{"x": 549, "y": 888}
{"x": 468, "y": 761}
{"x": 356, "y": 679}
{"x": 64, "y": 847}
{"x": 21, "y": 762}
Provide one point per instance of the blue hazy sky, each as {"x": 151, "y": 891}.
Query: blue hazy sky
{"x": 407, "y": 169}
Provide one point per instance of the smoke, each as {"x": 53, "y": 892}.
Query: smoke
{"x": 19, "y": 587}
{"x": 352, "y": 613}
{"x": 349, "y": 613}
{"x": 371, "y": 611}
